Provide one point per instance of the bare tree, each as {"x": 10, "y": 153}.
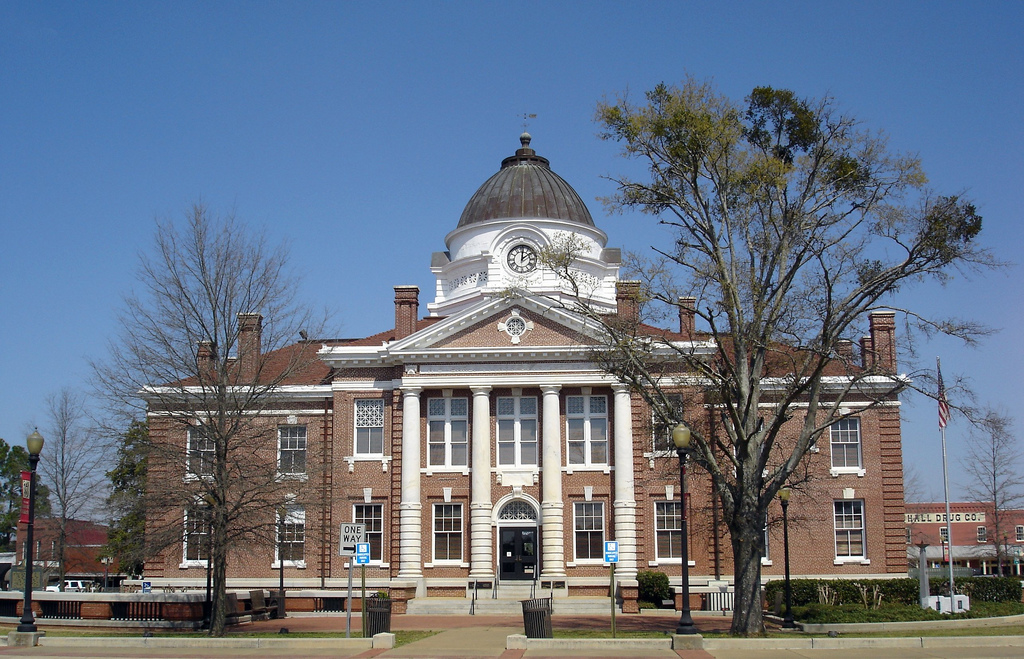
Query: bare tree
{"x": 993, "y": 469}
{"x": 72, "y": 464}
{"x": 790, "y": 225}
{"x": 207, "y": 344}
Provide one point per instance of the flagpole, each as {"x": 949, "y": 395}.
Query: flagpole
{"x": 949, "y": 524}
{"x": 943, "y": 416}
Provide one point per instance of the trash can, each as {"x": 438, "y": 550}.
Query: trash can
{"x": 537, "y": 618}
{"x": 277, "y": 604}
{"x": 378, "y": 615}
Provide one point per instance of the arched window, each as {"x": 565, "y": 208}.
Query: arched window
{"x": 517, "y": 511}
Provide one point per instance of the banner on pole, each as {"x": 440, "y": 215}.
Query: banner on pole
{"x": 26, "y": 493}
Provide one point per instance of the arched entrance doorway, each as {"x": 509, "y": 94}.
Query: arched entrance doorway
{"x": 518, "y": 541}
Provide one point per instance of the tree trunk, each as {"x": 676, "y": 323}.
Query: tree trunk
{"x": 218, "y": 554}
{"x": 747, "y": 619}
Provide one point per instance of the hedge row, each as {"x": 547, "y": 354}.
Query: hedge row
{"x": 876, "y": 592}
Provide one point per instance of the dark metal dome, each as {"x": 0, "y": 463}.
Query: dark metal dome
{"x": 525, "y": 186}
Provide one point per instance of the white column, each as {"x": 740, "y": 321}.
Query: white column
{"x": 481, "y": 554}
{"x": 552, "y": 508}
{"x": 625, "y": 496}
{"x": 410, "y": 509}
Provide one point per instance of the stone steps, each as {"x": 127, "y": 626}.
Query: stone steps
{"x": 505, "y": 605}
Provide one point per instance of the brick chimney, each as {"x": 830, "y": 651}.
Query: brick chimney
{"x": 883, "y": 340}
{"x": 867, "y": 352}
{"x": 687, "y": 313}
{"x": 250, "y": 331}
{"x": 844, "y": 349}
{"x": 627, "y": 301}
{"x": 407, "y": 310}
{"x": 206, "y": 355}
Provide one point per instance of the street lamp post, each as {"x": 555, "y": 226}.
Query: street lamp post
{"x": 106, "y": 560}
{"x": 208, "y": 603}
{"x": 787, "y": 621}
{"x": 681, "y": 438}
{"x": 34, "y": 442}
{"x": 280, "y": 564}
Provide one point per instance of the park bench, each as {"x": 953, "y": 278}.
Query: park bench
{"x": 259, "y": 609}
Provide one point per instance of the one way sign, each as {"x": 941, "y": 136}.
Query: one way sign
{"x": 351, "y": 535}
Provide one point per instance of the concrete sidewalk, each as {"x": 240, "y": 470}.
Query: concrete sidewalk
{"x": 484, "y": 637}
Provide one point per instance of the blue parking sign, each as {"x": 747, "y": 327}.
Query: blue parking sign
{"x": 611, "y": 551}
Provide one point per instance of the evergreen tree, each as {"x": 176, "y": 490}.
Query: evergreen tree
{"x": 126, "y": 539}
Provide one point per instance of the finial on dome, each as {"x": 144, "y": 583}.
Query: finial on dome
{"x": 524, "y": 139}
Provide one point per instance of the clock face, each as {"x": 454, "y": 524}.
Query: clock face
{"x": 522, "y": 259}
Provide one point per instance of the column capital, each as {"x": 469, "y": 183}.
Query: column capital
{"x": 411, "y": 390}
{"x": 480, "y": 389}
{"x": 621, "y": 388}
{"x": 549, "y": 389}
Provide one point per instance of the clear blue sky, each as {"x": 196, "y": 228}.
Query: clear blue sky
{"x": 358, "y": 131}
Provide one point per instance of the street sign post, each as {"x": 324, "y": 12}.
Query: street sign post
{"x": 611, "y": 556}
{"x": 362, "y": 559}
{"x": 351, "y": 535}
{"x": 348, "y": 541}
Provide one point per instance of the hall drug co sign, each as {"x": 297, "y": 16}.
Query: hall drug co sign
{"x": 940, "y": 518}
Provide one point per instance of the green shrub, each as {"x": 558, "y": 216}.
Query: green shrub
{"x": 816, "y": 613}
{"x": 849, "y": 613}
{"x": 867, "y": 593}
{"x": 653, "y": 586}
{"x": 982, "y": 589}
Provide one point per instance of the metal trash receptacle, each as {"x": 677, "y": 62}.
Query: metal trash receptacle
{"x": 537, "y": 618}
{"x": 378, "y": 615}
{"x": 277, "y": 605}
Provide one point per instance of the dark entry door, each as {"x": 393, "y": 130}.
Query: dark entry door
{"x": 518, "y": 553}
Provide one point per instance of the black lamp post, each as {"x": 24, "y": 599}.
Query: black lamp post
{"x": 208, "y": 604}
{"x": 34, "y": 442}
{"x": 787, "y": 622}
{"x": 280, "y": 563}
{"x": 681, "y": 438}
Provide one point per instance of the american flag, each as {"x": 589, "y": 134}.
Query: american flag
{"x": 943, "y": 404}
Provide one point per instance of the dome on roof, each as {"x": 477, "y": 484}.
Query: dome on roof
{"x": 525, "y": 186}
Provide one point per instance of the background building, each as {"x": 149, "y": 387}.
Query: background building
{"x": 976, "y": 543}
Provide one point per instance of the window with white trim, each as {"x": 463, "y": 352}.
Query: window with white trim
{"x": 668, "y": 529}
{"x": 447, "y": 532}
{"x": 291, "y": 536}
{"x": 587, "y": 430}
{"x": 517, "y": 430}
{"x": 764, "y": 550}
{"x": 662, "y": 427}
{"x": 369, "y": 437}
{"x": 588, "y": 529}
{"x": 943, "y": 534}
{"x": 982, "y": 534}
{"x": 448, "y": 432}
{"x": 846, "y": 448}
{"x": 201, "y": 454}
{"x": 291, "y": 452}
{"x": 371, "y": 515}
{"x": 196, "y": 541}
{"x": 1020, "y": 533}
{"x": 849, "y": 523}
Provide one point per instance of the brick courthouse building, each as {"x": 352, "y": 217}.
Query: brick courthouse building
{"x": 480, "y": 445}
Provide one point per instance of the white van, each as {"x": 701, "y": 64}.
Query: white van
{"x": 70, "y": 586}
